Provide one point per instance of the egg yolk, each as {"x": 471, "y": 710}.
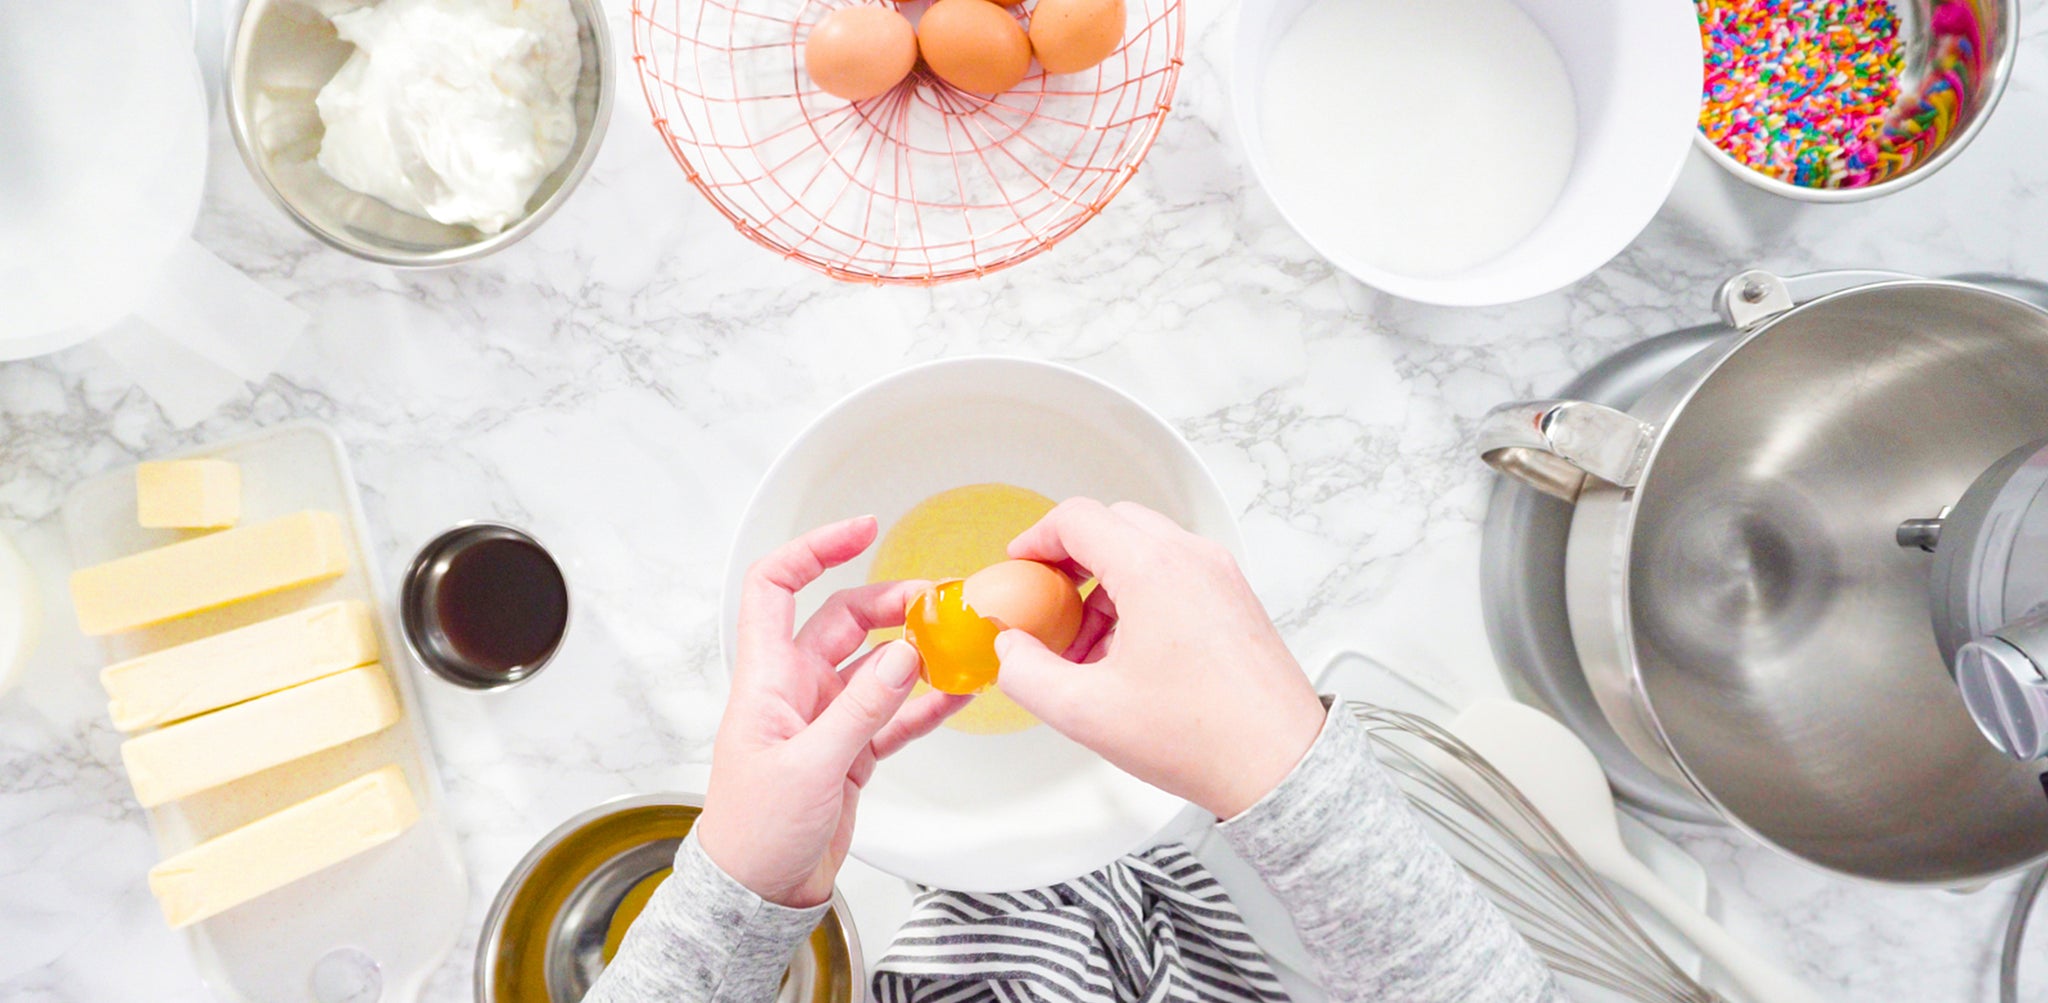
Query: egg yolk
{"x": 957, "y": 644}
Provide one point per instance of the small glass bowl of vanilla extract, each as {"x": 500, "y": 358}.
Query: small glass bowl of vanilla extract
{"x": 484, "y": 606}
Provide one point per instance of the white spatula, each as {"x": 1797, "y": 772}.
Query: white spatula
{"x": 1560, "y": 777}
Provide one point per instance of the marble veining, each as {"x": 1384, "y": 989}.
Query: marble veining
{"x": 618, "y": 382}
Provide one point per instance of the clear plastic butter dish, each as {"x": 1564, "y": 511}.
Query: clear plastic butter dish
{"x": 376, "y": 925}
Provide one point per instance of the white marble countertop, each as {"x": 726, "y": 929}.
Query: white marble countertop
{"x": 618, "y": 382}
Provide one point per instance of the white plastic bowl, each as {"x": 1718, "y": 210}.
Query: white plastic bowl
{"x": 976, "y": 812}
{"x": 104, "y": 164}
{"x": 1635, "y": 68}
{"x": 21, "y": 614}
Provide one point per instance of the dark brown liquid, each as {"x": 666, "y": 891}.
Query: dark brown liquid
{"x": 502, "y": 604}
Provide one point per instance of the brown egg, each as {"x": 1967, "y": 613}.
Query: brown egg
{"x": 974, "y": 45}
{"x": 1025, "y": 595}
{"x": 1069, "y": 36}
{"x": 859, "y": 52}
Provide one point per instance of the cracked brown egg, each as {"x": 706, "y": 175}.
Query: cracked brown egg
{"x": 954, "y": 624}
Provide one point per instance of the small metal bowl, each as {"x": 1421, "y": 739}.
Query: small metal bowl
{"x": 544, "y": 937}
{"x": 284, "y": 51}
{"x": 1998, "y": 28}
{"x": 420, "y": 620}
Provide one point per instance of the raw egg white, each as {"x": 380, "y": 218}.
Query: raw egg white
{"x": 857, "y": 53}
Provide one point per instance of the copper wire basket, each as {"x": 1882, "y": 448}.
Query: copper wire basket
{"x": 921, "y": 185}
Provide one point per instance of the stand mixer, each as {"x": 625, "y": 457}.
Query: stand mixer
{"x": 1988, "y": 591}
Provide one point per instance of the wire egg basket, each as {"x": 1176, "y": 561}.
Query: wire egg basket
{"x": 923, "y": 184}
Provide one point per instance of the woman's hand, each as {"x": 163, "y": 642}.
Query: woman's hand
{"x": 1179, "y": 677}
{"x": 801, "y": 735}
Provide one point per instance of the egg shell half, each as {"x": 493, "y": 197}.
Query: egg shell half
{"x": 1028, "y": 596}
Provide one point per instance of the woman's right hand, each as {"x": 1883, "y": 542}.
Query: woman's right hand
{"x": 1179, "y": 677}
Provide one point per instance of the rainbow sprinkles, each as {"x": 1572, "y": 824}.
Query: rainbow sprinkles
{"x": 1811, "y": 92}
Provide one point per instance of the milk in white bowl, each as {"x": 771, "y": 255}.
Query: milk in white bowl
{"x": 1450, "y": 143}
{"x": 1467, "y": 152}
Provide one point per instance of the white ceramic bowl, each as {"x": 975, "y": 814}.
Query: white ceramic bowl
{"x": 1635, "y": 72}
{"x": 976, "y": 812}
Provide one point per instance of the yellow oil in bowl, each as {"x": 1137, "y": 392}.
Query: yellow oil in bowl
{"x": 564, "y": 912}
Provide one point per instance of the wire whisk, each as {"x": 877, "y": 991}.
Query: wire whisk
{"x": 1550, "y": 895}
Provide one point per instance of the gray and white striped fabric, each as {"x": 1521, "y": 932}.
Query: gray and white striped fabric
{"x": 1150, "y": 928}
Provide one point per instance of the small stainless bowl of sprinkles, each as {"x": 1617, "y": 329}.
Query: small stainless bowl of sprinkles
{"x": 1844, "y": 100}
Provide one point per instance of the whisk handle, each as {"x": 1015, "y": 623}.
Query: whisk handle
{"x": 1760, "y": 978}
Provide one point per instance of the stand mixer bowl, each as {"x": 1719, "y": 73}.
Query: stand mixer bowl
{"x": 1740, "y": 607}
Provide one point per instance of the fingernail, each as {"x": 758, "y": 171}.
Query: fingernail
{"x": 1005, "y": 642}
{"x": 896, "y": 665}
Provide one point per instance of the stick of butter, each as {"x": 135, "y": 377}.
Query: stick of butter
{"x": 241, "y": 664}
{"x": 208, "y": 572}
{"x": 229, "y": 744}
{"x": 188, "y": 494}
{"x": 281, "y": 848}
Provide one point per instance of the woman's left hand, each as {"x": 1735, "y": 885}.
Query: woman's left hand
{"x": 801, "y": 734}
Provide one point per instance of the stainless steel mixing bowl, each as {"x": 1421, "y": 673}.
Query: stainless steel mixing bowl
{"x": 284, "y": 51}
{"x": 1742, "y": 610}
{"x": 1997, "y": 28}
{"x": 544, "y": 938}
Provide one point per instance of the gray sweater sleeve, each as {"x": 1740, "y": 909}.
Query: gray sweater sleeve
{"x": 704, "y": 938}
{"x": 1387, "y": 914}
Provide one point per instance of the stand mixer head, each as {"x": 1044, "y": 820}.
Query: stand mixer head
{"x": 1989, "y": 595}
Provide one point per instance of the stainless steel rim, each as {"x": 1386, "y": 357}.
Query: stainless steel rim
{"x": 1998, "y": 73}
{"x": 494, "y": 919}
{"x": 1525, "y": 536}
{"x": 408, "y": 619}
{"x": 1606, "y": 563}
{"x": 1626, "y": 514}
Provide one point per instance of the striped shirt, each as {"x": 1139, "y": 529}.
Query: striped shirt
{"x": 1152, "y": 928}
